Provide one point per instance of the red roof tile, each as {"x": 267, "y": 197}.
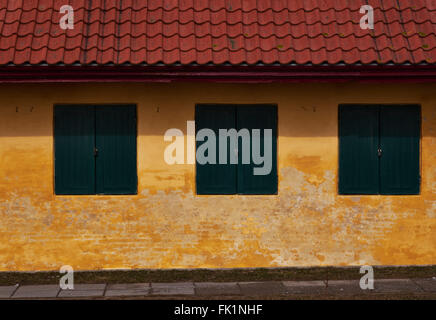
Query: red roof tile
{"x": 216, "y": 32}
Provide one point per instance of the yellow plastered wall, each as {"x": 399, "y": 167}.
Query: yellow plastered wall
{"x": 168, "y": 226}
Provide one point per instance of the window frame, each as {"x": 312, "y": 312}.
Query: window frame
{"x": 380, "y": 106}
{"x": 275, "y": 162}
{"x": 95, "y": 106}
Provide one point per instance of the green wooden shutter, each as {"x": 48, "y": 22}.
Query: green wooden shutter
{"x": 257, "y": 117}
{"x": 215, "y": 178}
{"x": 74, "y": 150}
{"x": 358, "y": 145}
{"x": 116, "y": 144}
{"x": 399, "y": 142}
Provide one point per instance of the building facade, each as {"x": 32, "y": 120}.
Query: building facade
{"x": 168, "y": 225}
{"x": 85, "y": 112}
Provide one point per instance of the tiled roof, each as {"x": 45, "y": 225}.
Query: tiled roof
{"x": 217, "y": 32}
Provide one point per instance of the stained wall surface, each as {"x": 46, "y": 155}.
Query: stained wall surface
{"x": 166, "y": 225}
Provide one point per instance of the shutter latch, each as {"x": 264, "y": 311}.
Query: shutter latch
{"x": 379, "y": 152}
{"x": 95, "y": 152}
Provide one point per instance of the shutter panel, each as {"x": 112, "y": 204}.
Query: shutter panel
{"x": 257, "y": 117}
{"x": 116, "y": 145}
{"x": 399, "y": 141}
{"x": 358, "y": 145}
{"x": 215, "y": 178}
{"x": 74, "y": 150}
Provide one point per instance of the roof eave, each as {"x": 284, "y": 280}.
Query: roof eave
{"x": 213, "y": 73}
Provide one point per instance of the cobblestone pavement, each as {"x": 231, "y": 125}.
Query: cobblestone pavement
{"x": 237, "y": 290}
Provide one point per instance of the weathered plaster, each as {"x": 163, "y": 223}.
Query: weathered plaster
{"x": 167, "y": 226}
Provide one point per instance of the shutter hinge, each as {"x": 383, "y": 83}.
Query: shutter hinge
{"x": 379, "y": 152}
{"x": 95, "y": 152}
